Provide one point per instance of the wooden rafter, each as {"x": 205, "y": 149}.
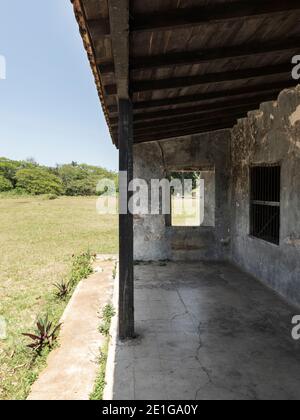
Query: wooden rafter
{"x": 211, "y": 117}
{"x": 205, "y": 56}
{"x": 217, "y": 113}
{"x": 187, "y": 17}
{"x": 208, "y": 56}
{"x": 119, "y": 12}
{"x": 172, "y": 114}
{"x": 218, "y": 95}
{"x": 186, "y": 131}
{"x": 205, "y": 79}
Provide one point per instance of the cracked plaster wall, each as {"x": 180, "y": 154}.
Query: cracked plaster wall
{"x": 269, "y": 135}
{"x": 153, "y": 240}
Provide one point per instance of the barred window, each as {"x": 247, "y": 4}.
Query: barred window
{"x": 265, "y": 203}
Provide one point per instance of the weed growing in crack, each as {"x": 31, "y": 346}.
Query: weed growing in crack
{"x": 107, "y": 315}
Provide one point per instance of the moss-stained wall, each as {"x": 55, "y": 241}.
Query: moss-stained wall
{"x": 269, "y": 135}
{"x": 156, "y": 241}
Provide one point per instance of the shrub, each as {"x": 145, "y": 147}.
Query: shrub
{"x": 81, "y": 187}
{"x": 5, "y": 184}
{"x": 39, "y": 181}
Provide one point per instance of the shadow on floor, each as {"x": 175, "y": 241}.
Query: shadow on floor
{"x": 207, "y": 331}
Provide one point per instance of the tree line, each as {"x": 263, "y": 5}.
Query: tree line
{"x": 74, "y": 179}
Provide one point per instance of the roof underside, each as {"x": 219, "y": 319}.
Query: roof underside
{"x": 195, "y": 65}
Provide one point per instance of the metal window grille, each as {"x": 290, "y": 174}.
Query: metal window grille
{"x": 265, "y": 203}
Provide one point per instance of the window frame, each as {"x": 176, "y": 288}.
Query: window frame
{"x": 202, "y": 168}
{"x": 277, "y": 241}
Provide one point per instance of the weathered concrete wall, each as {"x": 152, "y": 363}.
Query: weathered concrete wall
{"x": 149, "y": 230}
{"x": 269, "y": 135}
{"x": 209, "y": 197}
{"x": 156, "y": 241}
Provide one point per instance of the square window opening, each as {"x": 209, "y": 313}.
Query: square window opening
{"x": 196, "y": 206}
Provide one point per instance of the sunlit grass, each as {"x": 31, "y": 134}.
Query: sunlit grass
{"x": 37, "y": 240}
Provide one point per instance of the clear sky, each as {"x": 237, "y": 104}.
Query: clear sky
{"x": 49, "y": 107}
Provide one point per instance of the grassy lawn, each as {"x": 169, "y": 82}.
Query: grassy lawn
{"x": 37, "y": 240}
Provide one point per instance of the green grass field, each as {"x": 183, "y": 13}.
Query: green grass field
{"x": 37, "y": 240}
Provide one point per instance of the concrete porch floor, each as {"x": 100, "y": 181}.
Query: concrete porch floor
{"x": 207, "y": 331}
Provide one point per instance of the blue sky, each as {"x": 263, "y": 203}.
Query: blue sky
{"x": 49, "y": 107}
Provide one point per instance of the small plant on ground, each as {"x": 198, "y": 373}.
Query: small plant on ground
{"x": 62, "y": 290}
{"x": 81, "y": 268}
{"x": 107, "y": 314}
{"x": 44, "y": 336}
{"x": 97, "y": 394}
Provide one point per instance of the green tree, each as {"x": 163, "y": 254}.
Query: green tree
{"x": 5, "y": 184}
{"x": 81, "y": 179}
{"x": 38, "y": 181}
{"x": 9, "y": 168}
{"x": 194, "y": 176}
{"x": 73, "y": 179}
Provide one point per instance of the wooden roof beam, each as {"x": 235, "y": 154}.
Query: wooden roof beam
{"x": 187, "y": 131}
{"x": 98, "y": 27}
{"x": 187, "y": 17}
{"x": 228, "y": 103}
{"x": 119, "y": 24}
{"x": 206, "y": 79}
{"x": 260, "y": 89}
{"x": 175, "y": 115}
{"x": 230, "y": 110}
{"x": 204, "y": 56}
{"x": 211, "y": 116}
{"x": 207, "y": 56}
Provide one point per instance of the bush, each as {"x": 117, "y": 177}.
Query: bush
{"x": 39, "y": 181}
{"x": 81, "y": 187}
{"x": 5, "y": 184}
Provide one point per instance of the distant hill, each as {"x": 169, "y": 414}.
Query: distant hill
{"x": 74, "y": 179}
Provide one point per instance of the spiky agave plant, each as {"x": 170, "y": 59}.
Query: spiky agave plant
{"x": 45, "y": 334}
{"x": 63, "y": 289}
